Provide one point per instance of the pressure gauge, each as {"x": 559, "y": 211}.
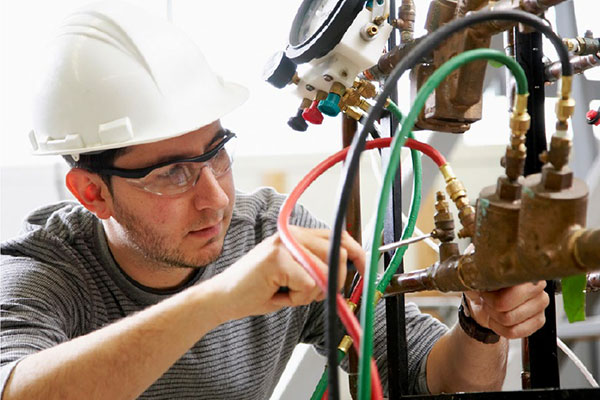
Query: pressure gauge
{"x": 318, "y": 27}
{"x": 279, "y": 70}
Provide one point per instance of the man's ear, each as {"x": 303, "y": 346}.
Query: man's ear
{"x": 91, "y": 191}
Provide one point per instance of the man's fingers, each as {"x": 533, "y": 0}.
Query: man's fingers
{"x": 316, "y": 241}
{"x": 524, "y": 329}
{"x": 310, "y": 238}
{"x": 520, "y": 314}
{"x": 356, "y": 254}
{"x": 507, "y": 299}
{"x": 302, "y": 288}
{"x": 474, "y": 297}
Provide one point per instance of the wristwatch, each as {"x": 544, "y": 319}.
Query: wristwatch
{"x": 472, "y": 328}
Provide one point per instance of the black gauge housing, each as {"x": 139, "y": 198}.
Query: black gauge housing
{"x": 313, "y": 35}
{"x": 279, "y": 70}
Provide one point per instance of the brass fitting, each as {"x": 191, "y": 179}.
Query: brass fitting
{"x": 321, "y": 95}
{"x": 379, "y": 20}
{"x": 295, "y": 79}
{"x": 366, "y": 89}
{"x": 369, "y": 31}
{"x": 352, "y": 113}
{"x": 583, "y": 45}
{"x": 571, "y": 44}
{"x": 364, "y": 105}
{"x": 351, "y": 97}
{"x": 351, "y": 306}
{"x": 458, "y": 194}
{"x": 372, "y": 30}
{"x": 520, "y": 119}
{"x": 407, "y": 13}
{"x": 305, "y": 103}
{"x": 444, "y": 228}
{"x": 444, "y": 223}
{"x": 565, "y": 105}
{"x": 560, "y": 150}
{"x": 345, "y": 344}
{"x": 337, "y": 88}
{"x": 378, "y": 296}
{"x": 583, "y": 244}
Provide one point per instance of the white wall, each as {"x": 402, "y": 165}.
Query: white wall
{"x": 237, "y": 37}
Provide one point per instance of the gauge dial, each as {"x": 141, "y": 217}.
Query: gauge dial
{"x": 318, "y": 27}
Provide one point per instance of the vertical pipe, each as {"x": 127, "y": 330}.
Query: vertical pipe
{"x": 394, "y": 306}
{"x": 353, "y": 226}
{"x": 543, "y": 360}
{"x": 353, "y": 216}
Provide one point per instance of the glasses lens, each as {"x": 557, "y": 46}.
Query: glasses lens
{"x": 179, "y": 177}
{"x": 170, "y": 179}
{"x": 220, "y": 164}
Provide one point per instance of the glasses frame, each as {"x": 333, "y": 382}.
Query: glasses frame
{"x": 138, "y": 173}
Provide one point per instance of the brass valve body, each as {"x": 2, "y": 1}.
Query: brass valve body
{"x": 541, "y": 244}
{"x": 546, "y": 217}
{"x": 495, "y": 237}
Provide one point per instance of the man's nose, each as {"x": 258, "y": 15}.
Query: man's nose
{"x": 208, "y": 192}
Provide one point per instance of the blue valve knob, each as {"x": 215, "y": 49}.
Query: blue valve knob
{"x": 329, "y": 106}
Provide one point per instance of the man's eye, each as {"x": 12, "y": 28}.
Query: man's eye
{"x": 177, "y": 174}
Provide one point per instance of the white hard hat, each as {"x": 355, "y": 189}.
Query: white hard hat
{"x": 117, "y": 76}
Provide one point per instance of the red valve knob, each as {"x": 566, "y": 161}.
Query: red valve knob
{"x": 593, "y": 117}
{"x": 312, "y": 114}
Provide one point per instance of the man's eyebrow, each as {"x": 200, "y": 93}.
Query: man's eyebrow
{"x": 219, "y": 135}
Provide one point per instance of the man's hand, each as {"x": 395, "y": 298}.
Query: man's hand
{"x": 514, "y": 312}
{"x": 251, "y": 285}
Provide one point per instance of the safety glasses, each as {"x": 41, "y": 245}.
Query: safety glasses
{"x": 178, "y": 176}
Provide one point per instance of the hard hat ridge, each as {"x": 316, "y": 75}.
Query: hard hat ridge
{"x": 117, "y": 76}
{"x": 103, "y": 29}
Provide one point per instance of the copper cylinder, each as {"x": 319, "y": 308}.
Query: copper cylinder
{"x": 548, "y": 218}
{"x": 440, "y": 12}
{"x": 586, "y": 248}
{"x": 495, "y": 237}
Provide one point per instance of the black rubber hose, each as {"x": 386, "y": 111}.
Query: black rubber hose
{"x": 427, "y": 45}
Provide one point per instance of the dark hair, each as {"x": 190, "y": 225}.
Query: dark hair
{"x": 93, "y": 162}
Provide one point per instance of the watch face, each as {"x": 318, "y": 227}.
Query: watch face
{"x": 316, "y": 14}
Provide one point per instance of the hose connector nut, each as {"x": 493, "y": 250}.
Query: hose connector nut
{"x": 565, "y": 108}
{"x": 520, "y": 123}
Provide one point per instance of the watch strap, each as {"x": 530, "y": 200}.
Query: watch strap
{"x": 473, "y": 329}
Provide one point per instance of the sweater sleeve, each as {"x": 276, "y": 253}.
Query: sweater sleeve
{"x": 40, "y": 307}
{"x": 422, "y": 331}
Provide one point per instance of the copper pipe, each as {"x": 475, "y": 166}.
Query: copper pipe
{"x": 580, "y": 64}
{"x": 353, "y": 216}
{"x": 414, "y": 281}
{"x": 407, "y": 12}
{"x": 389, "y": 60}
{"x": 586, "y": 248}
{"x": 441, "y": 276}
{"x": 458, "y": 274}
{"x": 353, "y": 226}
{"x": 538, "y": 6}
{"x": 593, "y": 282}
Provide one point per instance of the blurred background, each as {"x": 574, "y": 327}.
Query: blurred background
{"x": 238, "y": 37}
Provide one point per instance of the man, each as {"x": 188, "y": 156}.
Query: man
{"x": 163, "y": 281}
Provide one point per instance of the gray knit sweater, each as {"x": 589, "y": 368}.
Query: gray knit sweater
{"x": 59, "y": 281}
